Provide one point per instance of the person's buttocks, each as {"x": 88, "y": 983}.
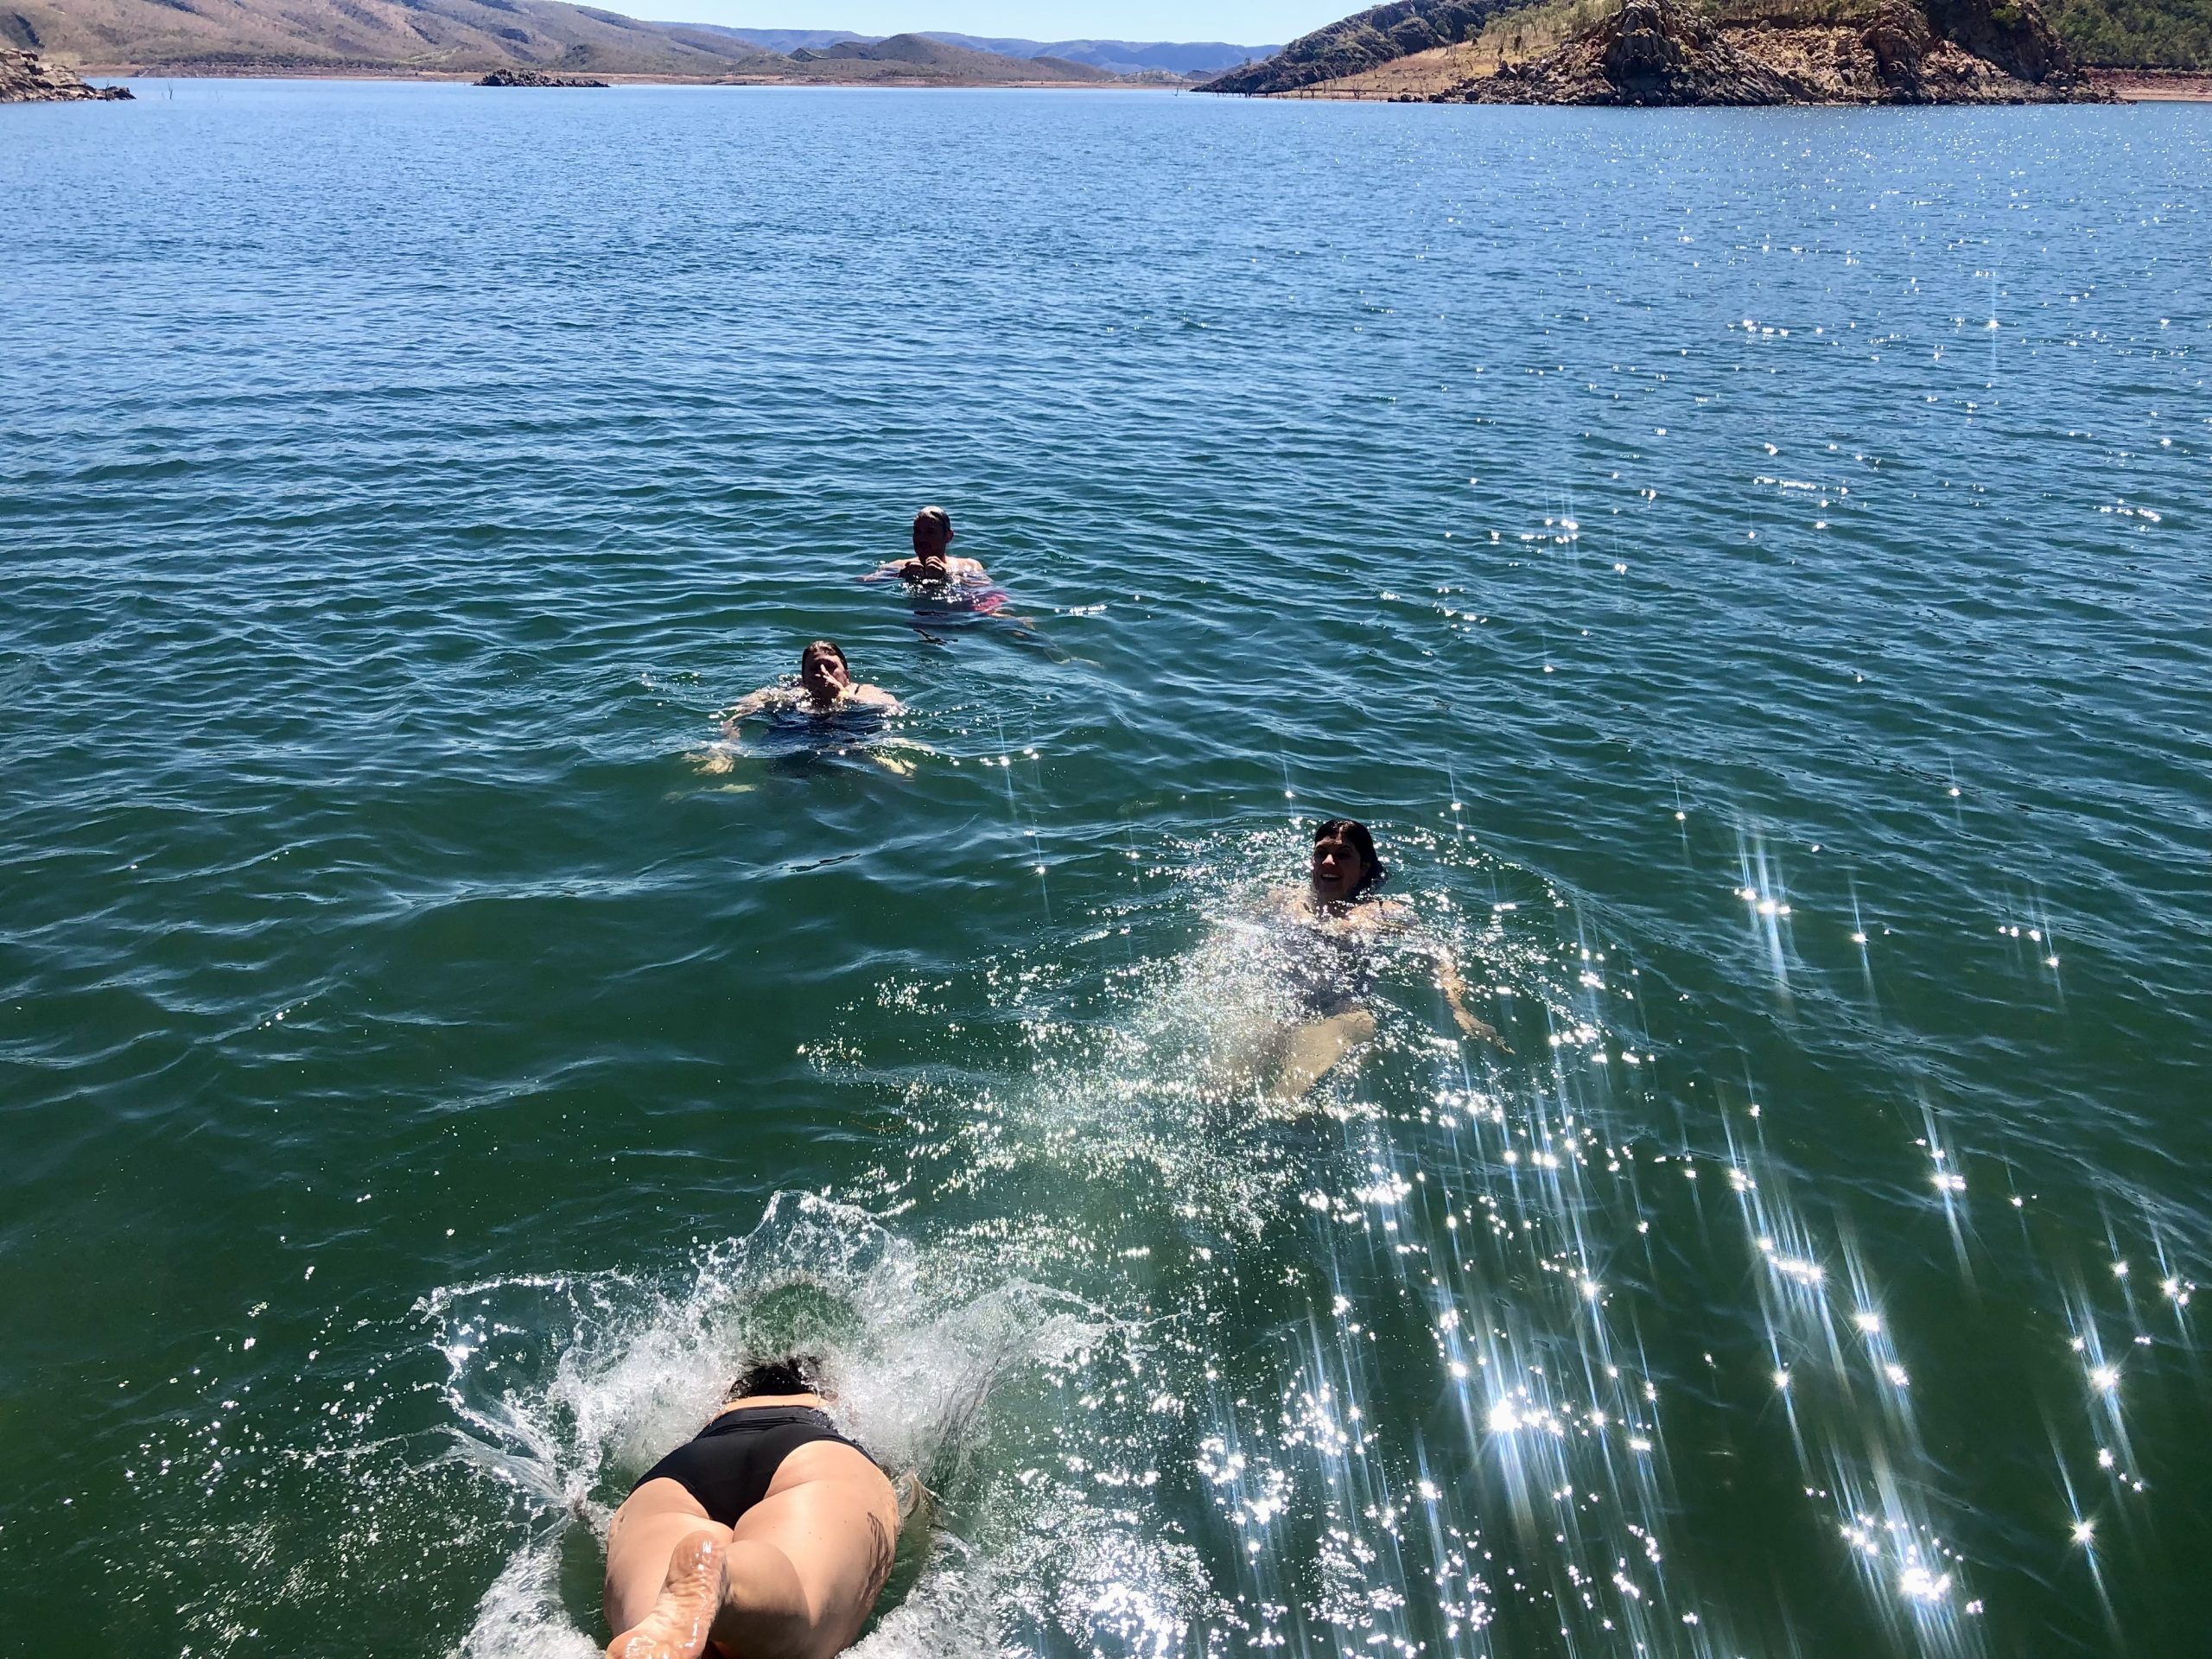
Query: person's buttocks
{"x": 767, "y": 1535}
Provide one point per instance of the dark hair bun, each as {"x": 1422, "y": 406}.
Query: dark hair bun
{"x": 791, "y": 1374}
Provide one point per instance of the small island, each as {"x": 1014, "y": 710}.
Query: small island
{"x": 535, "y": 77}
{"x": 25, "y": 77}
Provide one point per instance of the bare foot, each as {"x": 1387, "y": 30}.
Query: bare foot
{"x": 677, "y": 1628}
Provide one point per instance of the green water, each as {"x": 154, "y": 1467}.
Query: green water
{"x": 422, "y": 1077}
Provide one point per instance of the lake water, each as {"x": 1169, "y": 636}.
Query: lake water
{"x": 1750, "y": 567}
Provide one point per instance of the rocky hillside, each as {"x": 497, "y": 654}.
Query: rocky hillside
{"x": 1734, "y": 52}
{"x": 26, "y": 79}
{"x": 1365, "y": 40}
{"x": 1668, "y": 52}
{"x": 446, "y": 36}
{"x": 471, "y": 37}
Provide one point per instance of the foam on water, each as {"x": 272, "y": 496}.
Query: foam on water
{"x": 923, "y": 1364}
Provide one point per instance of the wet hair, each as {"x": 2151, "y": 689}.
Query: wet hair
{"x": 789, "y": 1374}
{"x": 1363, "y": 843}
{"x": 830, "y": 645}
{"x": 937, "y": 518}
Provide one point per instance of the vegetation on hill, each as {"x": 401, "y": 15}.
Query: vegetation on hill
{"x": 2138, "y": 33}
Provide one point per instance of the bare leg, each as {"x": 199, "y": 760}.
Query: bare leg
{"x": 681, "y": 1618}
{"x": 745, "y": 1595}
{"x": 1310, "y": 1052}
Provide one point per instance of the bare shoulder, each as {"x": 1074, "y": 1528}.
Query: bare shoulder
{"x": 1394, "y": 914}
{"x": 874, "y": 697}
{"x": 969, "y": 567}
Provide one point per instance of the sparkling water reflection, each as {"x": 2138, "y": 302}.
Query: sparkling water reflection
{"x": 1745, "y": 565}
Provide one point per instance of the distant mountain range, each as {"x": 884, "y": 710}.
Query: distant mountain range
{"x": 473, "y": 37}
{"x": 1121, "y": 57}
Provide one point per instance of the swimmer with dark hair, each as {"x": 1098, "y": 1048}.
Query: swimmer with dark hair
{"x": 932, "y": 560}
{"x": 825, "y": 686}
{"x": 1327, "y": 928}
{"x": 767, "y": 1535}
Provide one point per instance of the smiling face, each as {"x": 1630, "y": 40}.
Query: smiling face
{"x": 821, "y": 670}
{"x": 1340, "y": 868}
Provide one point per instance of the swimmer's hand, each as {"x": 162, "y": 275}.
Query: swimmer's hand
{"x": 1455, "y": 993}
{"x": 1474, "y": 1027}
{"x": 751, "y": 703}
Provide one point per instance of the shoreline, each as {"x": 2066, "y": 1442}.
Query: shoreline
{"x": 2125, "y": 86}
{"x": 471, "y": 77}
{"x": 2156, "y": 85}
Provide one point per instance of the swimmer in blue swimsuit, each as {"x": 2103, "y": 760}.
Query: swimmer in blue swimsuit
{"x": 769, "y": 1532}
{"x": 1324, "y": 934}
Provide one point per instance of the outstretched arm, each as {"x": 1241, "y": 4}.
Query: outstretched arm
{"x": 1455, "y": 994}
{"x": 751, "y": 703}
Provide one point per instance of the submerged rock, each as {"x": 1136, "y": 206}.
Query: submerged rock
{"x": 534, "y": 77}
{"x": 1667, "y": 52}
{"x": 25, "y": 77}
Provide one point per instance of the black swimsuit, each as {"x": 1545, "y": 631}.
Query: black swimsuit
{"x": 726, "y": 1466}
{"x": 1329, "y": 971}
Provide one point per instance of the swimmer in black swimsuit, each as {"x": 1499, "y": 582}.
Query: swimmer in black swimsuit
{"x": 767, "y": 1534}
{"x": 826, "y": 687}
{"x": 825, "y": 696}
{"x": 1324, "y": 932}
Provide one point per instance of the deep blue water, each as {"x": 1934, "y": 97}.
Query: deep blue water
{"x": 1750, "y": 569}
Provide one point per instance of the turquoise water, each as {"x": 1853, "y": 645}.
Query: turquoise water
{"x": 1750, "y": 569}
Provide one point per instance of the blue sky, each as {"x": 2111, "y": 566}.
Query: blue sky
{"x": 1247, "y": 22}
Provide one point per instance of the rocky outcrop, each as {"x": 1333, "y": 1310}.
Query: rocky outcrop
{"x": 1649, "y": 52}
{"x": 2011, "y": 33}
{"x": 25, "y": 77}
{"x": 534, "y": 77}
{"x": 1667, "y": 53}
{"x": 1366, "y": 41}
